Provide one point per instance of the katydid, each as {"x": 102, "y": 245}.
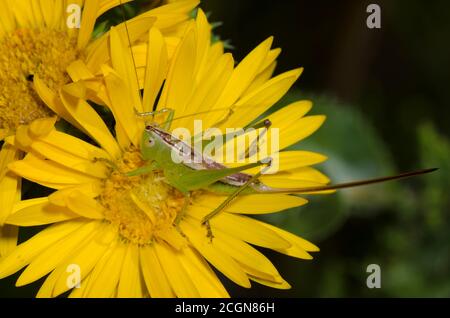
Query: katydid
{"x": 203, "y": 173}
{"x": 158, "y": 145}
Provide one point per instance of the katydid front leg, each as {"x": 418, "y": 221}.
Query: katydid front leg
{"x": 182, "y": 213}
{"x": 166, "y": 125}
{"x": 143, "y": 170}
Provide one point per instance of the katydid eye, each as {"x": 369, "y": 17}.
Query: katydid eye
{"x": 150, "y": 142}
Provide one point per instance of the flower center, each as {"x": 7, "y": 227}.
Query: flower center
{"x": 25, "y": 54}
{"x": 143, "y": 207}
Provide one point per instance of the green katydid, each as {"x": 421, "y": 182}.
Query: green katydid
{"x": 158, "y": 145}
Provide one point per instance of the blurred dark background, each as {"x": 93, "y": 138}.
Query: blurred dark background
{"x": 384, "y": 92}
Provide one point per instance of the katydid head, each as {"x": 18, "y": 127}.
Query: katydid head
{"x": 151, "y": 145}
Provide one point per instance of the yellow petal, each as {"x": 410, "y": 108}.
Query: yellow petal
{"x": 75, "y": 146}
{"x": 47, "y": 11}
{"x": 288, "y": 127}
{"x": 155, "y": 277}
{"x": 7, "y": 20}
{"x": 106, "y": 274}
{"x": 299, "y": 248}
{"x": 156, "y": 70}
{"x": 57, "y": 14}
{"x": 46, "y": 290}
{"x": 179, "y": 279}
{"x": 242, "y": 76}
{"x": 49, "y": 259}
{"x": 78, "y": 70}
{"x": 40, "y": 214}
{"x": 130, "y": 278}
{"x": 207, "y": 93}
{"x": 171, "y": 14}
{"x": 91, "y": 190}
{"x": 180, "y": 77}
{"x": 44, "y": 171}
{"x": 253, "y": 261}
{"x": 305, "y": 173}
{"x": 257, "y": 102}
{"x": 295, "y": 159}
{"x": 203, "y": 29}
{"x": 215, "y": 52}
{"x": 88, "y": 19}
{"x": 52, "y": 100}
{"x": 91, "y": 122}
{"x": 305, "y": 127}
{"x": 261, "y": 79}
{"x": 83, "y": 205}
{"x": 217, "y": 257}
{"x": 22, "y": 139}
{"x": 124, "y": 65}
{"x": 86, "y": 258}
{"x": 293, "y": 127}
{"x": 8, "y": 154}
{"x": 91, "y": 167}
{"x": 243, "y": 228}
{"x": 9, "y": 195}
{"x": 25, "y": 252}
{"x": 270, "y": 59}
{"x": 106, "y": 5}
{"x": 122, "y": 137}
{"x": 77, "y": 89}
{"x": 41, "y": 127}
{"x": 252, "y": 204}
{"x": 23, "y": 204}
{"x": 286, "y": 161}
{"x": 206, "y": 281}
{"x": 123, "y": 107}
{"x": 283, "y": 285}
{"x": 81, "y": 292}
{"x": 98, "y": 51}
{"x": 8, "y": 239}
{"x": 173, "y": 238}
{"x": 22, "y": 14}
{"x": 275, "y": 181}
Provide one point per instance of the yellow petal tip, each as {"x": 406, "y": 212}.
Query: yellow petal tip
{"x": 42, "y": 127}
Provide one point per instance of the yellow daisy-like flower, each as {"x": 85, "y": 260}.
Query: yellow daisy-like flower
{"x": 38, "y": 44}
{"x": 118, "y": 231}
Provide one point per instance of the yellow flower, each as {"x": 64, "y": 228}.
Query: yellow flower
{"x": 39, "y": 45}
{"x": 118, "y": 231}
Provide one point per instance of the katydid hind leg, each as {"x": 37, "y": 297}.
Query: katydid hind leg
{"x": 224, "y": 204}
{"x": 200, "y": 179}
